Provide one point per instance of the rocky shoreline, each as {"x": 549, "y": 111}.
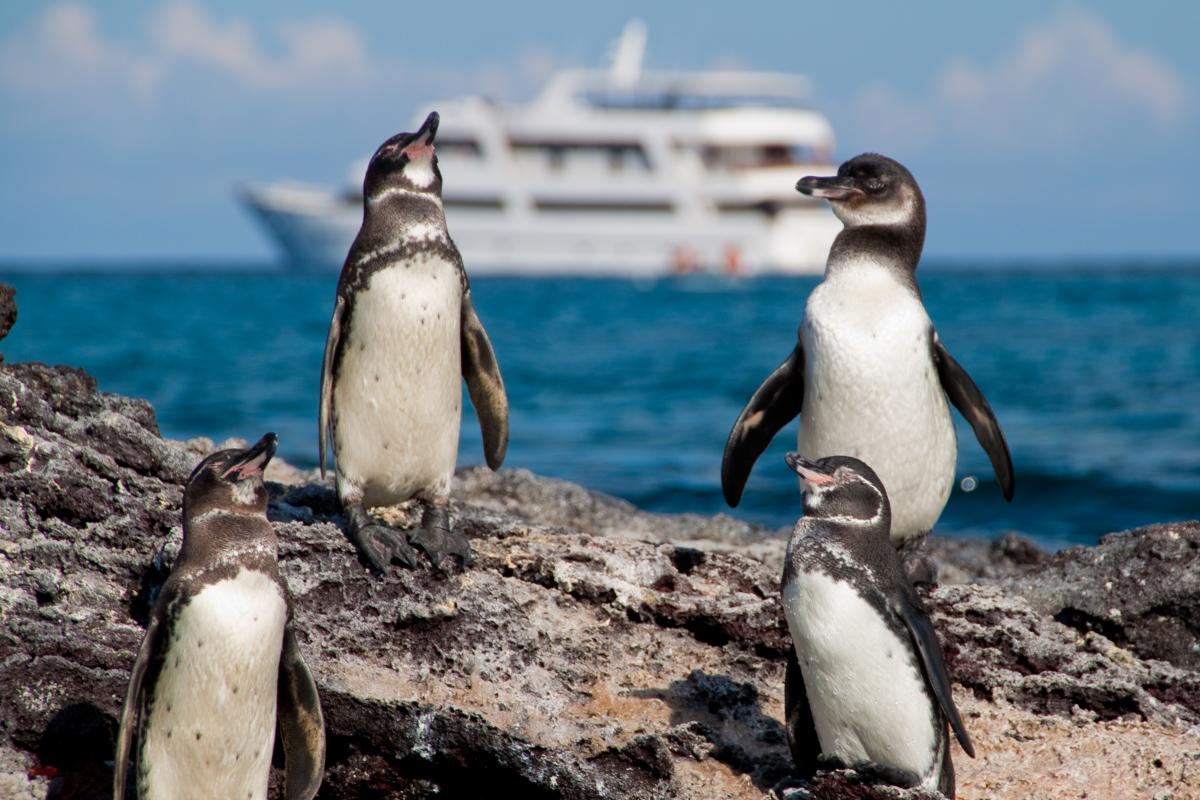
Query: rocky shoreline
{"x": 593, "y": 650}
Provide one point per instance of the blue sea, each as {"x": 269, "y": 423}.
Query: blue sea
{"x": 630, "y": 387}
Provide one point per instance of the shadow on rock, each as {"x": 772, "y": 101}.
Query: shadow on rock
{"x": 398, "y": 751}
{"x": 717, "y": 717}
{"x": 76, "y": 751}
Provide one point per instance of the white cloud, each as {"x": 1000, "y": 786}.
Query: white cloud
{"x": 1066, "y": 81}
{"x": 314, "y": 50}
{"x": 66, "y": 53}
{"x": 66, "y": 65}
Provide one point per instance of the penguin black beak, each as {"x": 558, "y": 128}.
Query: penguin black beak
{"x": 428, "y": 129}
{"x": 809, "y": 471}
{"x": 833, "y": 188}
{"x": 253, "y": 461}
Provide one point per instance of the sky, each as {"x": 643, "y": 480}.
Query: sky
{"x": 1037, "y": 130}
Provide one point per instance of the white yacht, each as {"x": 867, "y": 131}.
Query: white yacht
{"x": 608, "y": 172}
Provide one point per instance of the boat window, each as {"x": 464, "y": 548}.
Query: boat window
{"x": 458, "y": 149}
{"x": 685, "y": 101}
{"x": 719, "y": 157}
{"x": 628, "y": 158}
{"x": 477, "y": 203}
{"x": 582, "y": 156}
{"x": 767, "y": 208}
{"x": 632, "y": 205}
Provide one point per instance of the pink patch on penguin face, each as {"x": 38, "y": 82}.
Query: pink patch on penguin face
{"x": 419, "y": 150}
{"x": 813, "y": 478}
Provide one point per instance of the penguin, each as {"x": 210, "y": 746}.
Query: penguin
{"x": 869, "y": 376}
{"x": 404, "y": 333}
{"x": 866, "y": 686}
{"x": 219, "y": 669}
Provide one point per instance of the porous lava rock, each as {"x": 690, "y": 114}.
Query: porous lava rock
{"x": 591, "y": 651}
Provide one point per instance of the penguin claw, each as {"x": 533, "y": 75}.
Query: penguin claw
{"x": 920, "y": 567}
{"x": 436, "y": 539}
{"x": 869, "y": 772}
{"x": 922, "y": 571}
{"x": 830, "y": 763}
{"x": 380, "y": 545}
{"x": 792, "y": 788}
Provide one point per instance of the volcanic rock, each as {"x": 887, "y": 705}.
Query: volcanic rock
{"x": 592, "y": 651}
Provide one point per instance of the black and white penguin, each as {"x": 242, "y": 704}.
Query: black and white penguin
{"x": 219, "y": 670}
{"x": 868, "y": 687}
{"x": 869, "y": 376}
{"x": 403, "y": 336}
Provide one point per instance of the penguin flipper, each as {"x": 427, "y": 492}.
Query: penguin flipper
{"x": 331, "y": 345}
{"x": 925, "y": 637}
{"x": 301, "y": 725}
{"x": 971, "y": 403}
{"x": 801, "y": 730}
{"x": 131, "y": 711}
{"x": 774, "y": 404}
{"x": 484, "y": 384}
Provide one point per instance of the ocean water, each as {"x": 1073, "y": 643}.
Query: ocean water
{"x": 630, "y": 387}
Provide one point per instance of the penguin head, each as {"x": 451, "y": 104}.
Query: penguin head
{"x": 407, "y": 161}
{"x": 870, "y": 189}
{"x": 841, "y": 487}
{"x": 230, "y": 480}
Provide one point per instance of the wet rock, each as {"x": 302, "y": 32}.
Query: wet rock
{"x": 592, "y": 651}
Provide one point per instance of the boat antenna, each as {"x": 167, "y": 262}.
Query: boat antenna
{"x": 627, "y": 53}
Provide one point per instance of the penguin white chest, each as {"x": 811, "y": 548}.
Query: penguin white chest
{"x": 871, "y": 391}
{"x": 398, "y": 392}
{"x": 210, "y": 726}
{"x": 865, "y": 689}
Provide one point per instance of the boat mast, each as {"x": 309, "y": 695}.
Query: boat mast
{"x": 627, "y": 54}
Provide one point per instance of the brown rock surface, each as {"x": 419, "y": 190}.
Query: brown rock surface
{"x": 592, "y": 651}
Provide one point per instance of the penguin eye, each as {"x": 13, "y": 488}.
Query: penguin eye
{"x": 874, "y": 185}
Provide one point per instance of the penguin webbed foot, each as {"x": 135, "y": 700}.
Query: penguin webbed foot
{"x": 830, "y": 763}
{"x": 920, "y": 567}
{"x": 378, "y": 544}
{"x": 922, "y": 571}
{"x": 870, "y": 772}
{"x": 793, "y": 788}
{"x": 437, "y": 540}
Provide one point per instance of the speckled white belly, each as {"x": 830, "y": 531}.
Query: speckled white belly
{"x": 865, "y": 689}
{"x": 211, "y": 728}
{"x": 398, "y": 395}
{"x": 871, "y": 391}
